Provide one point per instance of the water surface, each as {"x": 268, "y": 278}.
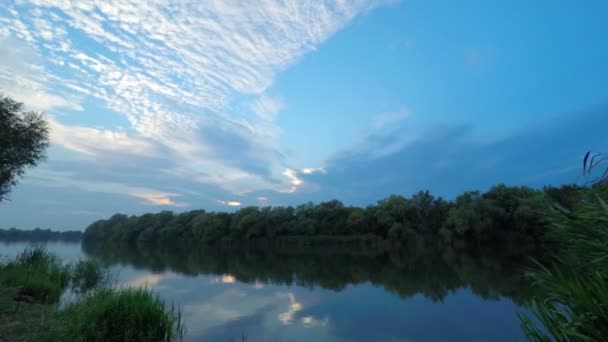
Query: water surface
{"x": 268, "y": 296}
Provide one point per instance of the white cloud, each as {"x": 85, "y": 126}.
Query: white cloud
{"x": 294, "y": 179}
{"x": 230, "y": 203}
{"x": 267, "y": 107}
{"x": 99, "y": 143}
{"x": 311, "y": 170}
{"x": 175, "y": 71}
{"x": 21, "y": 78}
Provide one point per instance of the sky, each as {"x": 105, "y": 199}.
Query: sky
{"x": 220, "y": 104}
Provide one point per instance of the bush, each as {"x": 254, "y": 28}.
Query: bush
{"x": 118, "y": 314}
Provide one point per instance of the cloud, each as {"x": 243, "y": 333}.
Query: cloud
{"x": 294, "y": 179}
{"x": 101, "y": 142}
{"x": 267, "y": 107}
{"x": 311, "y": 170}
{"x": 71, "y": 180}
{"x": 21, "y": 77}
{"x": 176, "y": 72}
{"x": 230, "y": 203}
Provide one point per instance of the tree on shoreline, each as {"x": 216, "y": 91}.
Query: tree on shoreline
{"x": 24, "y": 138}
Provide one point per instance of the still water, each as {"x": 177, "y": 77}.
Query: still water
{"x": 298, "y": 297}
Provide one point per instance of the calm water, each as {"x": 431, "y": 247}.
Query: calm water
{"x": 298, "y": 297}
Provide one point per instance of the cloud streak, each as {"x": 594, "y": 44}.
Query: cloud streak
{"x": 447, "y": 160}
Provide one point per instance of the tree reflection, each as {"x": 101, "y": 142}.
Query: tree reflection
{"x": 432, "y": 273}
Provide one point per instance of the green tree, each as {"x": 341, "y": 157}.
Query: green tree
{"x": 24, "y": 137}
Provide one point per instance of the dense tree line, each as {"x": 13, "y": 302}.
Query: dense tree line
{"x": 38, "y": 234}
{"x": 502, "y": 214}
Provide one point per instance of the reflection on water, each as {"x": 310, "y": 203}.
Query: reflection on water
{"x": 66, "y": 250}
{"x": 287, "y": 296}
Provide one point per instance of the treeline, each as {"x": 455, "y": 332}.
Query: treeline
{"x": 502, "y": 214}
{"x": 13, "y": 234}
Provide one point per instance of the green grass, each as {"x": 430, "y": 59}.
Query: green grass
{"x": 87, "y": 275}
{"x": 574, "y": 305}
{"x": 37, "y": 278}
{"x": 22, "y": 321}
{"x": 118, "y": 314}
{"x": 37, "y": 274}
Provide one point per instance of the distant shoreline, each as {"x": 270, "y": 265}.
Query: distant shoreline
{"x": 39, "y": 235}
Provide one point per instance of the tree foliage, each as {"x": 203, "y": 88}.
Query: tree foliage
{"x": 502, "y": 214}
{"x": 24, "y": 137}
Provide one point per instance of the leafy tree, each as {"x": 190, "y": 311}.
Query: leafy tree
{"x": 24, "y": 137}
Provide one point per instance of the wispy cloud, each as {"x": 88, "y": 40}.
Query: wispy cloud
{"x": 266, "y": 107}
{"x": 70, "y": 180}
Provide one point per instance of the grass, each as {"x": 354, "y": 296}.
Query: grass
{"x": 574, "y": 306}
{"x": 118, "y": 314}
{"x": 87, "y": 275}
{"x": 35, "y": 279}
{"x": 22, "y": 321}
{"x": 38, "y": 275}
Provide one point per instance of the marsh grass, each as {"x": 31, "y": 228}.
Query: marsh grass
{"x": 89, "y": 274}
{"x": 118, "y": 314}
{"x": 36, "y": 278}
{"x": 574, "y": 306}
{"x": 37, "y": 274}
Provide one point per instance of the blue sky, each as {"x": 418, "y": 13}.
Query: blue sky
{"x": 224, "y": 104}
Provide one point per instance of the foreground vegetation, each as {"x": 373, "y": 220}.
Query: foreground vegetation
{"x": 574, "y": 286}
{"x": 110, "y": 314}
{"x": 32, "y": 285}
{"x": 14, "y": 234}
{"x": 505, "y": 215}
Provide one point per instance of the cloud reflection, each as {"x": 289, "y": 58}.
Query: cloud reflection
{"x": 294, "y": 306}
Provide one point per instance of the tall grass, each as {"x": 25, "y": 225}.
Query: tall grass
{"x": 98, "y": 313}
{"x": 118, "y": 314}
{"x": 38, "y": 274}
{"x": 87, "y": 275}
{"x": 574, "y": 306}
{"x": 43, "y": 277}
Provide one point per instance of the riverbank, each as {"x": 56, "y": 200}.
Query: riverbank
{"x": 21, "y": 320}
{"x": 31, "y": 287}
